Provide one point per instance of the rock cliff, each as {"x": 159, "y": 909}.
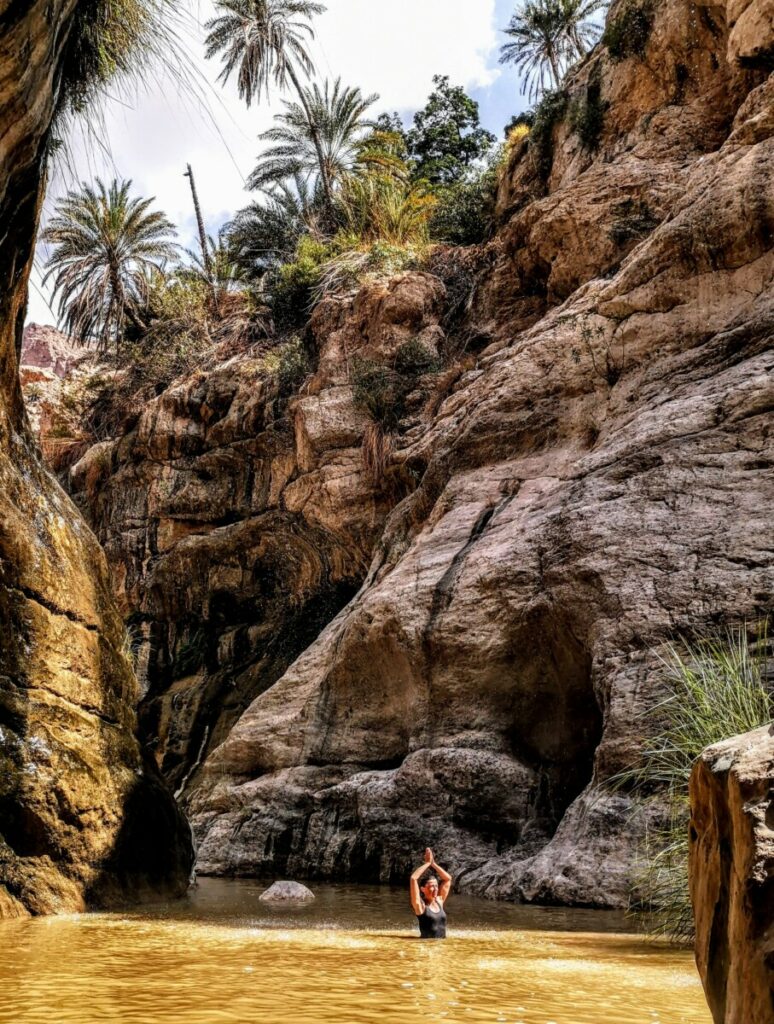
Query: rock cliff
{"x": 590, "y": 474}
{"x": 84, "y": 818}
{"x": 732, "y": 876}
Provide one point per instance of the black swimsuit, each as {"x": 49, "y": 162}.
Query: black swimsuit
{"x": 432, "y": 923}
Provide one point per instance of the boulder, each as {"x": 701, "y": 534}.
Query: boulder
{"x": 287, "y": 892}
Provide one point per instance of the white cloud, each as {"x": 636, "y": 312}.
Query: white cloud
{"x": 391, "y": 48}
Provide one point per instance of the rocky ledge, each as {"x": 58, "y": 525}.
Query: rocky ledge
{"x": 732, "y": 876}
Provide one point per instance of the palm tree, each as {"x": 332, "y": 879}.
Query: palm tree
{"x": 263, "y": 40}
{"x": 548, "y": 35}
{"x": 106, "y": 244}
{"x": 339, "y": 115}
{"x": 266, "y": 233}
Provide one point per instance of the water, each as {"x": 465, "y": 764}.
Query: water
{"x": 351, "y": 957}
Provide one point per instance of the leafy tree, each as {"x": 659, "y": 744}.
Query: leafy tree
{"x": 262, "y": 40}
{"x": 447, "y": 138}
{"x": 339, "y": 115}
{"x": 547, "y": 36}
{"x": 105, "y": 246}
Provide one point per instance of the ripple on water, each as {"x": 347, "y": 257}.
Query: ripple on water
{"x": 220, "y": 957}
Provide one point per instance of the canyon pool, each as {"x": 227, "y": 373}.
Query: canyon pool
{"x": 220, "y": 956}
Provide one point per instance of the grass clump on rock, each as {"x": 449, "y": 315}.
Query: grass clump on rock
{"x": 549, "y": 112}
{"x": 587, "y": 115}
{"x": 718, "y": 688}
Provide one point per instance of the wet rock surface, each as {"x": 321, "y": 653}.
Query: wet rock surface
{"x": 84, "y": 818}
{"x": 732, "y": 876}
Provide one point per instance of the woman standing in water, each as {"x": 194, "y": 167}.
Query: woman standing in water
{"x": 428, "y": 903}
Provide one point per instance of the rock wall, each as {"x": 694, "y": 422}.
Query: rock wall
{"x": 83, "y": 817}
{"x": 732, "y": 876}
{"x": 591, "y": 475}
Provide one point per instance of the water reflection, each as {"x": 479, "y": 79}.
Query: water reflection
{"x": 351, "y": 956}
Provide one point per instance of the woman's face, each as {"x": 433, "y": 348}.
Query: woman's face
{"x": 430, "y": 890}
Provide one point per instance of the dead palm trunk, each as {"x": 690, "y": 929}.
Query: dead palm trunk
{"x": 206, "y": 262}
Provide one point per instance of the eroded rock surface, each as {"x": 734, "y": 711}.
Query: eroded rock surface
{"x": 84, "y": 818}
{"x": 732, "y": 876}
{"x": 592, "y": 474}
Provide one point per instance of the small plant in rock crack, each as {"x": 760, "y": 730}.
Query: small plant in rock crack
{"x": 605, "y": 364}
{"x": 634, "y": 220}
{"x": 587, "y": 114}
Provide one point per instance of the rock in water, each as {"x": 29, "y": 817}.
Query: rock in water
{"x": 732, "y": 876}
{"x": 287, "y": 892}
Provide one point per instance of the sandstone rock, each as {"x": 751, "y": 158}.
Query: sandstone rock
{"x": 343, "y": 670}
{"x": 732, "y": 876}
{"x": 602, "y": 480}
{"x": 46, "y": 348}
{"x": 84, "y": 817}
{"x": 287, "y": 892}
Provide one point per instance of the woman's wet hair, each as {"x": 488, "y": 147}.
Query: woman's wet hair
{"x": 430, "y": 878}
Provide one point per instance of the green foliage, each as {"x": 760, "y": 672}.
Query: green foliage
{"x": 717, "y": 689}
{"x": 112, "y": 42}
{"x": 627, "y": 34}
{"x": 382, "y": 390}
{"x": 548, "y": 113}
{"x": 293, "y": 366}
{"x": 105, "y": 246}
{"x": 414, "y": 359}
{"x": 379, "y": 391}
{"x": 335, "y": 114}
{"x": 465, "y": 211}
{"x": 447, "y": 138}
{"x": 191, "y": 655}
{"x": 587, "y": 115}
{"x": 547, "y": 36}
{"x": 291, "y": 285}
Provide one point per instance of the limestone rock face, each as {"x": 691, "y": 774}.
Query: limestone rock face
{"x": 238, "y": 524}
{"x": 46, "y": 348}
{"x": 287, "y": 892}
{"x": 344, "y": 668}
{"x": 84, "y": 819}
{"x": 600, "y": 479}
{"x": 732, "y": 876}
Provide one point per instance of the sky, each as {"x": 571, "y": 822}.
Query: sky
{"x": 392, "y": 49}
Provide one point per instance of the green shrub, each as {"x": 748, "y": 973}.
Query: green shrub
{"x": 414, "y": 359}
{"x": 548, "y": 113}
{"x": 380, "y": 391}
{"x": 717, "y": 688}
{"x": 587, "y": 115}
{"x": 627, "y": 35}
{"x": 465, "y": 211}
{"x": 291, "y": 286}
{"x": 191, "y": 655}
{"x": 293, "y": 366}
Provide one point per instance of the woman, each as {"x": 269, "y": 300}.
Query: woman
{"x": 428, "y": 903}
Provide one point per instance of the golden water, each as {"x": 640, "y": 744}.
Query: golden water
{"x": 221, "y": 957}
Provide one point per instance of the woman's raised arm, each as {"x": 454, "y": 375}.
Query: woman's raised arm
{"x": 417, "y": 902}
{"x": 446, "y": 880}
